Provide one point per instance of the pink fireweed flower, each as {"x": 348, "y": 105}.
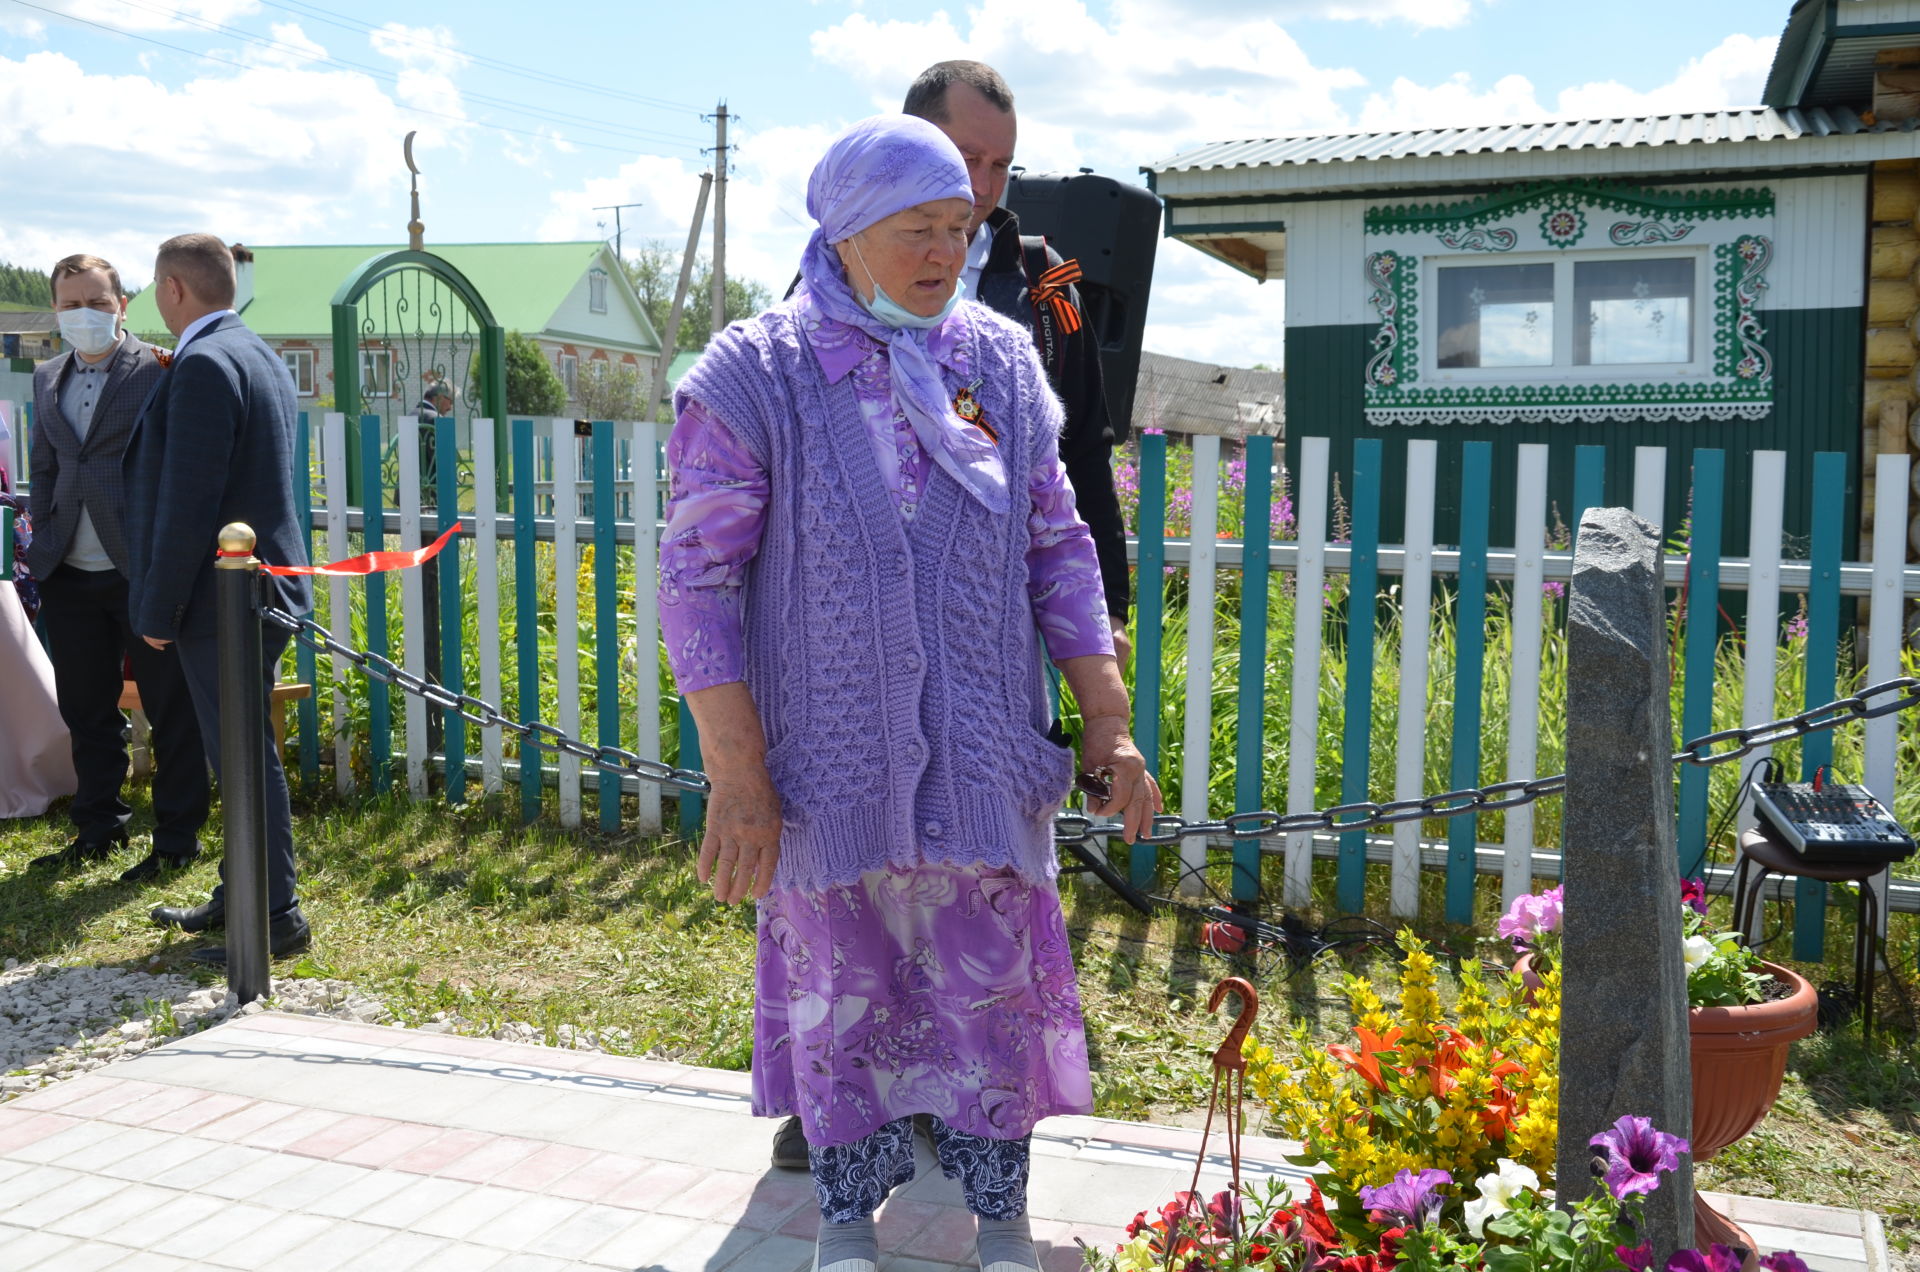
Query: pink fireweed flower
{"x": 1412, "y": 1199}
{"x": 1637, "y": 1155}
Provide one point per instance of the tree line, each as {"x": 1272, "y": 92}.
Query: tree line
{"x": 24, "y": 285}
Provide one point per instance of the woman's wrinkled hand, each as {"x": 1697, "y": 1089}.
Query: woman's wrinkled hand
{"x": 742, "y": 843}
{"x": 1105, "y": 743}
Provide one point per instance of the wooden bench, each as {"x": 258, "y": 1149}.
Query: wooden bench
{"x": 277, "y": 710}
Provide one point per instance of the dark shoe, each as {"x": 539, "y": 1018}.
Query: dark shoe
{"x": 80, "y": 852}
{"x": 790, "y": 1146}
{"x": 288, "y": 934}
{"x": 155, "y": 864}
{"x": 197, "y": 919}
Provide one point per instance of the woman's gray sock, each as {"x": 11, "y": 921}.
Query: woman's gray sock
{"x": 1006, "y": 1245}
{"x": 847, "y": 1247}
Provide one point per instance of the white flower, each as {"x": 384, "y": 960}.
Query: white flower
{"x": 1697, "y": 949}
{"x": 1497, "y": 1192}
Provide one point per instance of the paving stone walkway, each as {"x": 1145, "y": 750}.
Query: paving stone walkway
{"x": 302, "y": 1144}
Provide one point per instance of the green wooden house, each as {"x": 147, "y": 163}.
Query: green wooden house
{"x": 1738, "y": 279}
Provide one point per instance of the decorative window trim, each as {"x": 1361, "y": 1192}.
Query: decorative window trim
{"x": 597, "y": 279}
{"x": 1558, "y": 217}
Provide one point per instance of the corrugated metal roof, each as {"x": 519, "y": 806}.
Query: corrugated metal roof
{"x": 1753, "y": 124}
{"x": 1183, "y": 396}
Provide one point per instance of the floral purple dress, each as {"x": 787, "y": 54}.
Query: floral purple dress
{"x": 943, "y": 988}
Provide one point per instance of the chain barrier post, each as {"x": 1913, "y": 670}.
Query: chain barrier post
{"x": 243, "y": 760}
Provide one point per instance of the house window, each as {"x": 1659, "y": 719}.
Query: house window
{"x": 1633, "y": 311}
{"x": 376, "y": 373}
{"x": 597, "y": 291}
{"x": 1496, "y": 316}
{"x": 300, "y": 367}
{"x": 1616, "y": 314}
{"x": 570, "y": 373}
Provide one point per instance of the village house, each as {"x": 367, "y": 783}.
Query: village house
{"x": 1735, "y": 279}
{"x": 572, "y": 299}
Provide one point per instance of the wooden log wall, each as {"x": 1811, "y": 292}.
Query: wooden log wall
{"x": 1892, "y": 420}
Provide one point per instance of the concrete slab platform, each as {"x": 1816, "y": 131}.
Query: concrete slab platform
{"x": 302, "y": 1144}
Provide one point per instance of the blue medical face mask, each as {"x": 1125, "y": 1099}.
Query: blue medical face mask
{"x": 892, "y": 312}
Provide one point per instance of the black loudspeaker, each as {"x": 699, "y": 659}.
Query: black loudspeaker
{"x": 1113, "y": 230}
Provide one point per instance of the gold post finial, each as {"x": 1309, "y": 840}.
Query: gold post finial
{"x": 416, "y": 228}
{"x": 236, "y": 541}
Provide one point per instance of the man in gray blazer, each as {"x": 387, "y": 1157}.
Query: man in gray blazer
{"x": 214, "y": 444}
{"x": 85, "y": 403}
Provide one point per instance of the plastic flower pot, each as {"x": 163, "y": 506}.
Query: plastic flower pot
{"x": 1739, "y": 1058}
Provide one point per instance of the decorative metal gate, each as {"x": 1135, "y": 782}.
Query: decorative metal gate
{"x": 411, "y": 336}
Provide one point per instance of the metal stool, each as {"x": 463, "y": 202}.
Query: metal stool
{"x": 1770, "y": 856}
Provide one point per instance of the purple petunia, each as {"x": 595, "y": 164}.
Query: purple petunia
{"x": 1783, "y": 1261}
{"x": 1635, "y": 1258}
{"x": 1719, "y": 1259}
{"x": 1412, "y": 1199}
{"x": 1637, "y": 1155}
{"x": 1693, "y": 894}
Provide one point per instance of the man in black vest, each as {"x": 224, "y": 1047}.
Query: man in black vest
{"x": 85, "y": 403}
{"x": 970, "y": 103}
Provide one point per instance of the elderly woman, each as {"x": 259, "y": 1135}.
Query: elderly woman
{"x": 871, "y": 552}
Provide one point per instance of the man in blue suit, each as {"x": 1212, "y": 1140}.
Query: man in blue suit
{"x": 214, "y": 444}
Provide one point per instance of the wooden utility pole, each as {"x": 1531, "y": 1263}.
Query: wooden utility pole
{"x": 720, "y": 219}
{"x": 670, "y": 341}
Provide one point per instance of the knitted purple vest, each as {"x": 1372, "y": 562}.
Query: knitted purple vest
{"x": 896, "y": 665}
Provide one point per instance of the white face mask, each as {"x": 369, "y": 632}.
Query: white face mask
{"x": 89, "y": 330}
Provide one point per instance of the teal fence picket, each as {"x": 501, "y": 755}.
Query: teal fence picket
{"x": 606, "y": 616}
{"x": 374, "y": 536}
{"x": 1256, "y": 532}
{"x": 1823, "y": 671}
{"x": 1149, "y": 612}
{"x": 1363, "y": 584}
{"x": 526, "y": 612}
{"x": 1703, "y": 630}
{"x": 1469, "y": 670}
{"x": 453, "y": 666}
{"x": 1589, "y": 481}
{"x": 693, "y": 805}
{"x": 305, "y": 668}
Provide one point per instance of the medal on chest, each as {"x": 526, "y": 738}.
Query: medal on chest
{"x": 968, "y": 408}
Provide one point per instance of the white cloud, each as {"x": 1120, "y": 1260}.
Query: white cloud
{"x": 428, "y": 62}
{"x": 154, "y": 15}
{"x": 23, "y": 26}
{"x": 1421, "y": 13}
{"x": 1730, "y": 74}
{"x": 266, "y": 154}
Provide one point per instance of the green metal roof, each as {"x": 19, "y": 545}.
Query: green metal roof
{"x": 681, "y": 364}
{"x": 524, "y": 284}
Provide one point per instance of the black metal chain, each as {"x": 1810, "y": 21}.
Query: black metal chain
{"x": 1078, "y": 828}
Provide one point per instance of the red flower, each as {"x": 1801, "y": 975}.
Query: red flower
{"x": 1367, "y": 1063}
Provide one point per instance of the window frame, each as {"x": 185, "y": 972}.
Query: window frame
{"x": 569, "y": 364}
{"x": 598, "y": 281}
{"x": 307, "y": 386}
{"x": 1563, "y": 369}
{"x": 370, "y": 357}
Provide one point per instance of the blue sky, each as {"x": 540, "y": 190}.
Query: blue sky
{"x": 279, "y": 121}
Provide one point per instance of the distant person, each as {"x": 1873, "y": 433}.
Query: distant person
{"x": 215, "y": 445}
{"x": 868, "y": 532}
{"x": 86, "y": 402}
{"x": 36, "y": 762}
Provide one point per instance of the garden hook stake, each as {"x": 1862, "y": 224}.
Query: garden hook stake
{"x": 1230, "y": 1064}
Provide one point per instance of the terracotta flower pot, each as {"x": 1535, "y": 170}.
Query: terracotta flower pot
{"x": 1739, "y": 1057}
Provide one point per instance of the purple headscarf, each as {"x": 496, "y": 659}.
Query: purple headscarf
{"x": 876, "y": 168}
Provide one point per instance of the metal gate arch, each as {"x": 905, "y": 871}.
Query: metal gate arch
{"x": 350, "y": 337}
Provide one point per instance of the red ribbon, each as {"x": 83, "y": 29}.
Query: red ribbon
{"x": 1052, "y": 290}
{"x": 372, "y": 562}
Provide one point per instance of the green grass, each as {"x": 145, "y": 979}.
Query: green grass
{"x": 469, "y": 913}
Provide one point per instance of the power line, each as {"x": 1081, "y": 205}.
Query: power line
{"x": 416, "y": 110}
{"x": 333, "y": 18}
